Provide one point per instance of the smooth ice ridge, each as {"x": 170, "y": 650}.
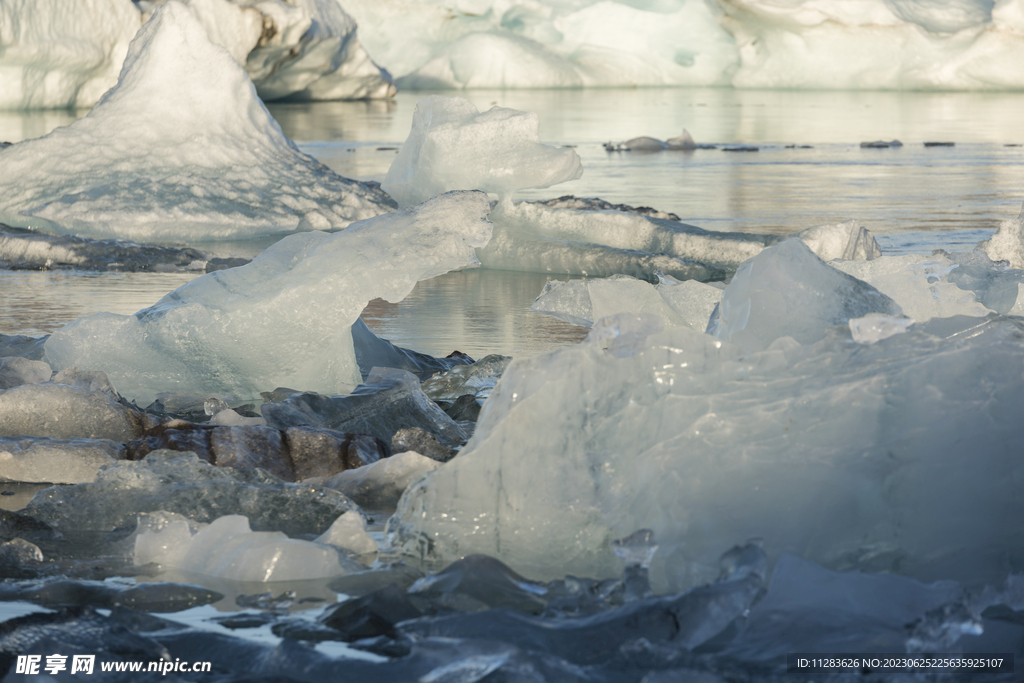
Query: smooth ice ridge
{"x": 227, "y": 548}
{"x": 899, "y": 456}
{"x": 58, "y": 54}
{"x": 283, "y": 320}
{"x": 180, "y": 149}
{"x": 452, "y": 146}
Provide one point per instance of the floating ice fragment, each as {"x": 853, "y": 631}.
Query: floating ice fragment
{"x": 452, "y": 146}
{"x": 1008, "y": 243}
{"x": 274, "y": 321}
{"x": 349, "y": 533}
{"x": 188, "y": 151}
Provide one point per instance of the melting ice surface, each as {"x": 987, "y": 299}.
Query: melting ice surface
{"x": 180, "y": 148}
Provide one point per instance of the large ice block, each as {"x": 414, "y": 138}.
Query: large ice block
{"x": 899, "y": 456}
{"x": 180, "y": 148}
{"x": 284, "y": 319}
{"x": 452, "y": 146}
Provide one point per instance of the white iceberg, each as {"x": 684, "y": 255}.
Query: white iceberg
{"x": 58, "y": 54}
{"x": 180, "y": 148}
{"x": 284, "y": 319}
{"x": 899, "y": 456}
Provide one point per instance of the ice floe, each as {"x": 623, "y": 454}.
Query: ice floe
{"x": 273, "y": 322}
{"x": 180, "y": 148}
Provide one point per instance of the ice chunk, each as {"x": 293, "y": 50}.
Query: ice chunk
{"x": 919, "y": 284}
{"x": 56, "y": 461}
{"x": 847, "y": 455}
{"x": 849, "y": 241}
{"x": 446, "y": 147}
{"x": 875, "y": 327}
{"x": 787, "y": 291}
{"x": 188, "y": 152}
{"x": 390, "y": 400}
{"x": 273, "y": 322}
{"x": 994, "y": 284}
{"x": 227, "y": 548}
{"x": 374, "y": 352}
{"x": 477, "y": 379}
{"x": 24, "y": 249}
{"x": 15, "y": 371}
{"x": 22, "y": 345}
{"x": 582, "y": 302}
{"x": 1008, "y": 243}
{"x": 181, "y": 483}
{"x": 349, "y": 533}
{"x": 421, "y": 441}
{"x": 64, "y": 412}
{"x": 380, "y": 485}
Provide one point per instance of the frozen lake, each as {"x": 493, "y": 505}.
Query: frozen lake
{"x": 809, "y": 169}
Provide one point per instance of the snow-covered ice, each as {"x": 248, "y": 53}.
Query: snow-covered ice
{"x": 59, "y": 54}
{"x": 452, "y": 146}
{"x": 180, "y": 148}
{"x": 284, "y": 319}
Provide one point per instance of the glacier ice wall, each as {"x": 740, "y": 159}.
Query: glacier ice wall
{"x": 829, "y": 44}
{"x": 180, "y": 148}
{"x": 897, "y": 456}
{"x": 67, "y": 54}
{"x": 285, "y": 318}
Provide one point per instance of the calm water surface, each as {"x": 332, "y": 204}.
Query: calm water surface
{"x": 914, "y": 198}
